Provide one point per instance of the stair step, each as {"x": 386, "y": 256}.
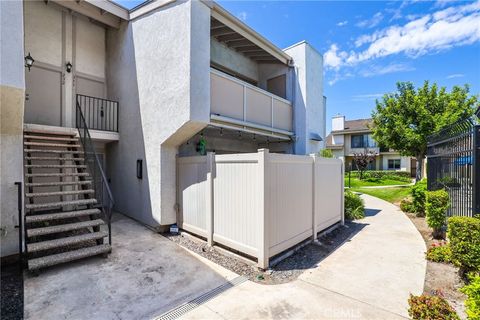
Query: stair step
{"x": 35, "y": 137}
{"x": 53, "y": 151}
{"x": 62, "y": 242}
{"x": 58, "y": 193}
{"x": 54, "y": 159}
{"x": 61, "y": 215}
{"x": 59, "y": 204}
{"x": 47, "y": 144}
{"x": 57, "y": 166}
{"x": 64, "y": 227}
{"x": 44, "y": 132}
{"x": 51, "y": 260}
{"x": 54, "y": 184}
{"x": 69, "y": 174}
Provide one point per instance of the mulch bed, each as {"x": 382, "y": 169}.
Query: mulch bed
{"x": 11, "y": 292}
{"x": 286, "y": 270}
{"x": 441, "y": 278}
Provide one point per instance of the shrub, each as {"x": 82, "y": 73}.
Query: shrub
{"x": 391, "y": 175}
{"x": 426, "y": 307}
{"x": 439, "y": 253}
{"x": 406, "y": 205}
{"x": 418, "y": 197}
{"x": 472, "y": 304}
{"x": 354, "y": 206}
{"x": 326, "y": 153}
{"x": 436, "y": 205}
{"x": 464, "y": 236}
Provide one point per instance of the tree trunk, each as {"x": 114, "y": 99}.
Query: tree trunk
{"x": 419, "y": 171}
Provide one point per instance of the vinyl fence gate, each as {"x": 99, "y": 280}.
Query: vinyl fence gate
{"x": 453, "y": 164}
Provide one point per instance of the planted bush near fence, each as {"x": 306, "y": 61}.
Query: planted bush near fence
{"x": 439, "y": 253}
{"x": 472, "y": 304}
{"x": 436, "y": 205}
{"x": 418, "y": 197}
{"x": 464, "y": 236}
{"x": 427, "y": 307}
{"x": 354, "y": 206}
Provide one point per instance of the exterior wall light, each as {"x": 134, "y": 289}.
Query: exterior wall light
{"x": 29, "y": 61}
{"x": 69, "y": 67}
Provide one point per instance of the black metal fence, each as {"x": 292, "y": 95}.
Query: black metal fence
{"x": 453, "y": 164}
{"x": 99, "y": 114}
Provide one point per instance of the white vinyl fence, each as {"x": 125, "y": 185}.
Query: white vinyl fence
{"x": 259, "y": 203}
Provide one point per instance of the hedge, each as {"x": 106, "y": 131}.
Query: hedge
{"x": 464, "y": 236}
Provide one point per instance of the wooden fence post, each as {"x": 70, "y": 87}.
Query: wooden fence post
{"x": 209, "y": 194}
{"x": 264, "y": 245}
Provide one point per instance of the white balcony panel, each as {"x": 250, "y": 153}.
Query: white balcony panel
{"x": 258, "y": 108}
{"x": 248, "y": 105}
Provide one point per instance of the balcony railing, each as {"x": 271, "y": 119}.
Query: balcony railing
{"x": 242, "y": 104}
{"x": 100, "y": 114}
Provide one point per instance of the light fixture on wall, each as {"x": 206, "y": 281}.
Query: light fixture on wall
{"x": 69, "y": 67}
{"x": 29, "y": 61}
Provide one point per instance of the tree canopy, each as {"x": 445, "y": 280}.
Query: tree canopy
{"x": 403, "y": 120}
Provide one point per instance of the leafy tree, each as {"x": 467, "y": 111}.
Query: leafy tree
{"x": 362, "y": 160}
{"x": 403, "y": 120}
{"x": 326, "y": 153}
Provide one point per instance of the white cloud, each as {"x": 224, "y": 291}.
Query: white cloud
{"x": 242, "y": 15}
{"x": 370, "y": 23}
{"x": 376, "y": 70}
{"x": 455, "y": 75}
{"x": 450, "y": 27}
{"x": 342, "y": 23}
{"x": 332, "y": 58}
{"x": 369, "y": 96}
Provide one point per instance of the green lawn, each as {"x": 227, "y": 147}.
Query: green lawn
{"x": 393, "y": 195}
{"x": 357, "y": 183}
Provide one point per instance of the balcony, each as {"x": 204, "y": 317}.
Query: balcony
{"x": 238, "y": 104}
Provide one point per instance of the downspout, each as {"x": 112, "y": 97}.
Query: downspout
{"x": 292, "y": 71}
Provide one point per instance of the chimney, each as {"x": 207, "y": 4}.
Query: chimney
{"x": 338, "y": 123}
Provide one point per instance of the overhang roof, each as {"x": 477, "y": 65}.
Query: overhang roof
{"x": 356, "y": 126}
{"x": 229, "y": 30}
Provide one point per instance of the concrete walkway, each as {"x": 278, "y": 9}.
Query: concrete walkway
{"x": 144, "y": 276}
{"x": 368, "y": 277}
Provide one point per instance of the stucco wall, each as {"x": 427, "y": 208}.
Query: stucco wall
{"x": 161, "y": 80}
{"x": 12, "y": 95}
{"x": 308, "y": 97}
{"x": 233, "y": 60}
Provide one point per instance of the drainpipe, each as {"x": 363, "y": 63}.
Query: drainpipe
{"x": 292, "y": 70}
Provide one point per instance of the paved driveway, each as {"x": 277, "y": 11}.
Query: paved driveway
{"x": 368, "y": 277}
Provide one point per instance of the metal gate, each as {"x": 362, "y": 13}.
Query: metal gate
{"x": 453, "y": 164}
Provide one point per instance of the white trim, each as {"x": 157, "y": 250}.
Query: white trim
{"x": 110, "y": 7}
{"x": 250, "y": 124}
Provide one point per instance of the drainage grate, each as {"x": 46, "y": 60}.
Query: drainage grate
{"x": 189, "y": 306}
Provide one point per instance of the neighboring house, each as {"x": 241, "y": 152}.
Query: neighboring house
{"x": 355, "y": 136}
{"x": 165, "y": 79}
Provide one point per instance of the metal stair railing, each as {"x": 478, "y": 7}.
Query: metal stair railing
{"x": 103, "y": 194}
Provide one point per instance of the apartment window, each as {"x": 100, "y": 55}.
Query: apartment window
{"x": 393, "y": 164}
{"x": 363, "y": 141}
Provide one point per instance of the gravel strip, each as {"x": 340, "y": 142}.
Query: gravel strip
{"x": 286, "y": 270}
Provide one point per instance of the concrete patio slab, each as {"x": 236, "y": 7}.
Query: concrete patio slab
{"x": 368, "y": 277}
{"x": 144, "y": 276}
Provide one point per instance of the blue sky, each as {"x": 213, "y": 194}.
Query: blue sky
{"x": 370, "y": 45}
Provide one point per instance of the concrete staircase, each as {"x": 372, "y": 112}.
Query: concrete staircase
{"x": 63, "y": 221}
